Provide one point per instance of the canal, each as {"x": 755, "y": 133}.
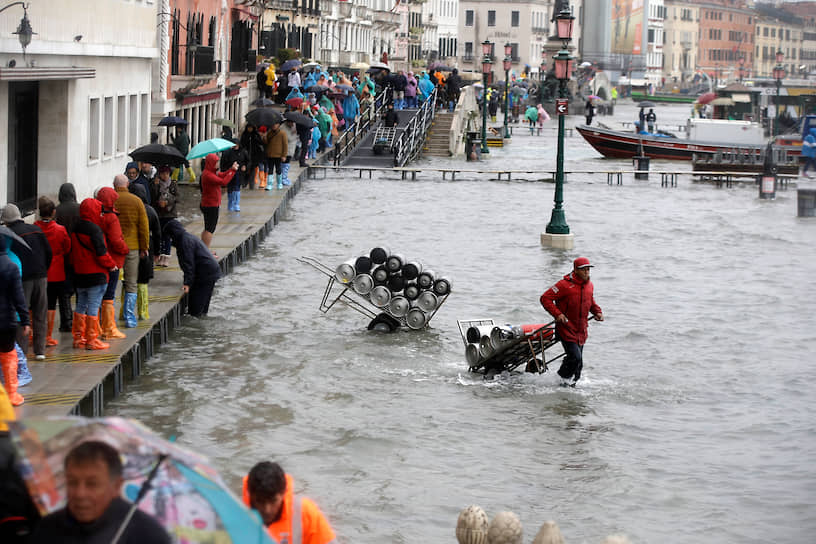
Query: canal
{"x": 692, "y": 421}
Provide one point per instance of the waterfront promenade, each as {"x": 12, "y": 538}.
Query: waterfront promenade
{"x": 80, "y": 381}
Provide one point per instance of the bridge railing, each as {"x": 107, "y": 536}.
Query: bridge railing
{"x": 409, "y": 143}
{"x": 347, "y": 142}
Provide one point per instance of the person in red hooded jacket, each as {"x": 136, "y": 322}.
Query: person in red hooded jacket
{"x": 92, "y": 265}
{"x": 211, "y": 182}
{"x": 118, "y": 250}
{"x": 570, "y": 301}
{"x": 60, "y": 244}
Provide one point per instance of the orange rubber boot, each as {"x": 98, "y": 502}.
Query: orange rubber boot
{"x": 78, "y": 330}
{"x": 92, "y": 333}
{"x": 8, "y": 361}
{"x": 50, "y": 340}
{"x": 107, "y": 316}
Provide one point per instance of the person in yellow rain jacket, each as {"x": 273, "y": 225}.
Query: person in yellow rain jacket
{"x": 271, "y": 79}
{"x": 289, "y": 518}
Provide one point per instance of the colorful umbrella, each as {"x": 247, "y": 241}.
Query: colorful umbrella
{"x": 213, "y": 145}
{"x": 705, "y": 98}
{"x": 187, "y": 496}
{"x": 158, "y": 155}
{"x": 594, "y": 97}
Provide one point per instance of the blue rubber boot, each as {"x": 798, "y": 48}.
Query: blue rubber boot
{"x": 24, "y": 377}
{"x": 130, "y": 309}
{"x": 285, "y": 173}
{"x": 280, "y": 183}
{"x": 237, "y": 201}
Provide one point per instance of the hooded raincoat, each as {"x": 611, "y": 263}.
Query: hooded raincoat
{"x": 574, "y": 298}
{"x": 212, "y": 180}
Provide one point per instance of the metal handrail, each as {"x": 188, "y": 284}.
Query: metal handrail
{"x": 409, "y": 143}
{"x": 348, "y": 141}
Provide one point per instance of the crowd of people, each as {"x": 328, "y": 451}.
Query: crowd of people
{"x": 76, "y": 253}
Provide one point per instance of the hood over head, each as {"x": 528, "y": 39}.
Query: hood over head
{"x": 10, "y": 214}
{"x": 91, "y": 210}
{"x": 139, "y": 190}
{"x": 67, "y": 193}
{"x": 108, "y": 197}
{"x": 211, "y": 162}
{"x": 174, "y": 230}
{"x": 132, "y": 164}
{"x": 813, "y": 132}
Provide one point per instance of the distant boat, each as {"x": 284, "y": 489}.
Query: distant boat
{"x": 676, "y": 98}
{"x": 625, "y": 145}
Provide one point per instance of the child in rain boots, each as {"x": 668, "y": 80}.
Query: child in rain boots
{"x": 60, "y": 245}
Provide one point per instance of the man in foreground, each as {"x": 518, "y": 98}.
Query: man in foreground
{"x": 569, "y": 301}
{"x": 95, "y": 509}
{"x": 289, "y": 518}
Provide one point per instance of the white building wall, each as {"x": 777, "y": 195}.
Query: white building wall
{"x": 116, "y": 38}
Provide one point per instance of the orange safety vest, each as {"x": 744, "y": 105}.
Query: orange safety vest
{"x": 301, "y": 521}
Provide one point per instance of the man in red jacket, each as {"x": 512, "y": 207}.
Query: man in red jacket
{"x": 569, "y": 301}
{"x": 211, "y": 182}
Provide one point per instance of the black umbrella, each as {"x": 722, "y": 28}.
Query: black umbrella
{"x": 172, "y": 121}
{"x": 5, "y": 231}
{"x": 263, "y": 102}
{"x": 646, "y": 104}
{"x": 299, "y": 118}
{"x": 264, "y": 117}
{"x": 290, "y": 64}
{"x": 441, "y": 68}
{"x": 159, "y": 155}
{"x": 317, "y": 89}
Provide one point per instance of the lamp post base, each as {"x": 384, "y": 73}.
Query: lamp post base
{"x": 557, "y": 241}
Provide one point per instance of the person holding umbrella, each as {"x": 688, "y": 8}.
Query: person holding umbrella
{"x": 182, "y": 143}
{"x": 252, "y": 143}
{"x": 589, "y": 111}
{"x": 277, "y": 147}
{"x": 211, "y": 183}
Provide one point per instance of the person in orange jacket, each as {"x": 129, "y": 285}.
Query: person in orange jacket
{"x": 270, "y": 491}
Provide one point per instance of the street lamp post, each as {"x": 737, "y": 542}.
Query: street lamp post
{"x": 24, "y": 30}
{"x": 741, "y": 67}
{"x": 508, "y": 63}
{"x": 563, "y": 71}
{"x": 486, "y": 62}
{"x": 778, "y": 75}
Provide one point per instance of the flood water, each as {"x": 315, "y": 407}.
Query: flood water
{"x": 692, "y": 422}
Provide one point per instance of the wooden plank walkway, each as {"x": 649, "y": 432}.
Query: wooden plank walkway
{"x": 668, "y": 178}
{"x": 73, "y": 381}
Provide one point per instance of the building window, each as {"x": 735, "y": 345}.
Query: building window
{"x": 144, "y": 117}
{"x": 469, "y": 17}
{"x": 514, "y": 18}
{"x": 491, "y": 18}
{"x": 93, "y": 129}
{"x": 133, "y": 138}
{"x": 121, "y": 124}
{"x": 107, "y": 131}
{"x": 468, "y": 50}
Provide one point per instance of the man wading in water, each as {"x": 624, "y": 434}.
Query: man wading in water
{"x": 569, "y": 301}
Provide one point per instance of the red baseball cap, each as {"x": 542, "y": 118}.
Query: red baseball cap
{"x": 581, "y": 262}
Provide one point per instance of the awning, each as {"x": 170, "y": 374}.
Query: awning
{"x": 45, "y": 73}
{"x": 741, "y": 97}
{"x": 722, "y": 101}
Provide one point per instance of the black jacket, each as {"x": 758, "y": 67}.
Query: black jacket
{"x": 61, "y": 527}
{"x": 68, "y": 208}
{"x": 195, "y": 259}
{"x": 12, "y": 298}
{"x": 18, "y": 514}
{"x": 37, "y": 259}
